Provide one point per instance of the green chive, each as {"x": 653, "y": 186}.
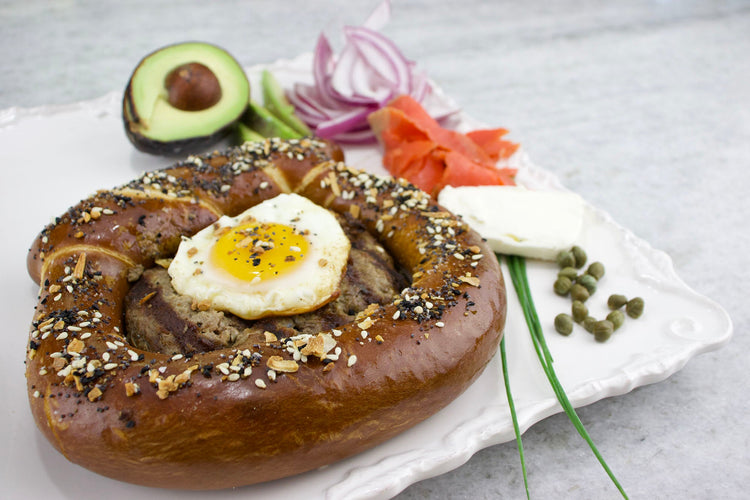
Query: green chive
{"x": 513, "y": 415}
{"x": 517, "y": 268}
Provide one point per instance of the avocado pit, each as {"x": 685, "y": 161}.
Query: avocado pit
{"x": 192, "y": 87}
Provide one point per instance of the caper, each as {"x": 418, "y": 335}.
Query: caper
{"x": 579, "y": 310}
{"x": 616, "y": 301}
{"x": 589, "y": 282}
{"x": 579, "y": 255}
{"x": 588, "y": 323}
{"x": 562, "y": 286}
{"x": 634, "y": 307}
{"x": 563, "y": 324}
{"x": 569, "y": 272}
{"x": 596, "y": 269}
{"x": 617, "y": 318}
{"x": 603, "y": 330}
{"x": 579, "y": 292}
{"x": 566, "y": 259}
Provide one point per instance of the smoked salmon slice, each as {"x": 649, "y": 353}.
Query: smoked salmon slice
{"x": 429, "y": 156}
{"x": 491, "y": 140}
{"x": 460, "y": 171}
{"x": 448, "y": 139}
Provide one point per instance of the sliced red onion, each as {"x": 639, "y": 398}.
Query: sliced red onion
{"x": 379, "y": 17}
{"x": 368, "y": 73}
{"x": 383, "y": 56}
{"x": 354, "y": 119}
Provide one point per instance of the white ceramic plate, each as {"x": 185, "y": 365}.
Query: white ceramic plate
{"x": 53, "y": 156}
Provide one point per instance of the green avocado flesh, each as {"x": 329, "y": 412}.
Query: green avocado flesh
{"x": 262, "y": 121}
{"x": 246, "y": 134}
{"x": 155, "y": 125}
{"x": 276, "y": 102}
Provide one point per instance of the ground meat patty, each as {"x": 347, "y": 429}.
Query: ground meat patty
{"x": 159, "y": 319}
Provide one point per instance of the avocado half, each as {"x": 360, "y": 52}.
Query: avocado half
{"x": 184, "y": 98}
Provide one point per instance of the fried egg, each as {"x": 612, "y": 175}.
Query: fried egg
{"x": 285, "y": 256}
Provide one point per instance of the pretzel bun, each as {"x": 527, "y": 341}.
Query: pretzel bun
{"x": 239, "y": 416}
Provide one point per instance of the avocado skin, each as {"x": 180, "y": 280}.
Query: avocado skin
{"x": 195, "y": 144}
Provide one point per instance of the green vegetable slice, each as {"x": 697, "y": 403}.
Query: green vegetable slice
{"x": 517, "y": 268}
{"x": 276, "y": 102}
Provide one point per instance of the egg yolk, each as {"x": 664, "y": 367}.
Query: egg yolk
{"x": 259, "y": 252}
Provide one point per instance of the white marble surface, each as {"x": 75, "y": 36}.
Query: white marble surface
{"x": 641, "y": 107}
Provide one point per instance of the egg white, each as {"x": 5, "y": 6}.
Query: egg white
{"x": 313, "y": 282}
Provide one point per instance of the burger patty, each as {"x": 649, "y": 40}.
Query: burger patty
{"x": 158, "y": 319}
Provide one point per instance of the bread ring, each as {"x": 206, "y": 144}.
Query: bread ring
{"x": 228, "y": 418}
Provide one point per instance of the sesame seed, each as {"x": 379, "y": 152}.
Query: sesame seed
{"x": 396, "y": 314}
{"x": 177, "y": 357}
{"x": 85, "y": 335}
{"x": 110, "y": 366}
{"x": 111, "y": 345}
{"x": 234, "y": 377}
{"x": 260, "y": 383}
{"x": 440, "y": 324}
{"x": 62, "y": 336}
{"x": 352, "y": 359}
